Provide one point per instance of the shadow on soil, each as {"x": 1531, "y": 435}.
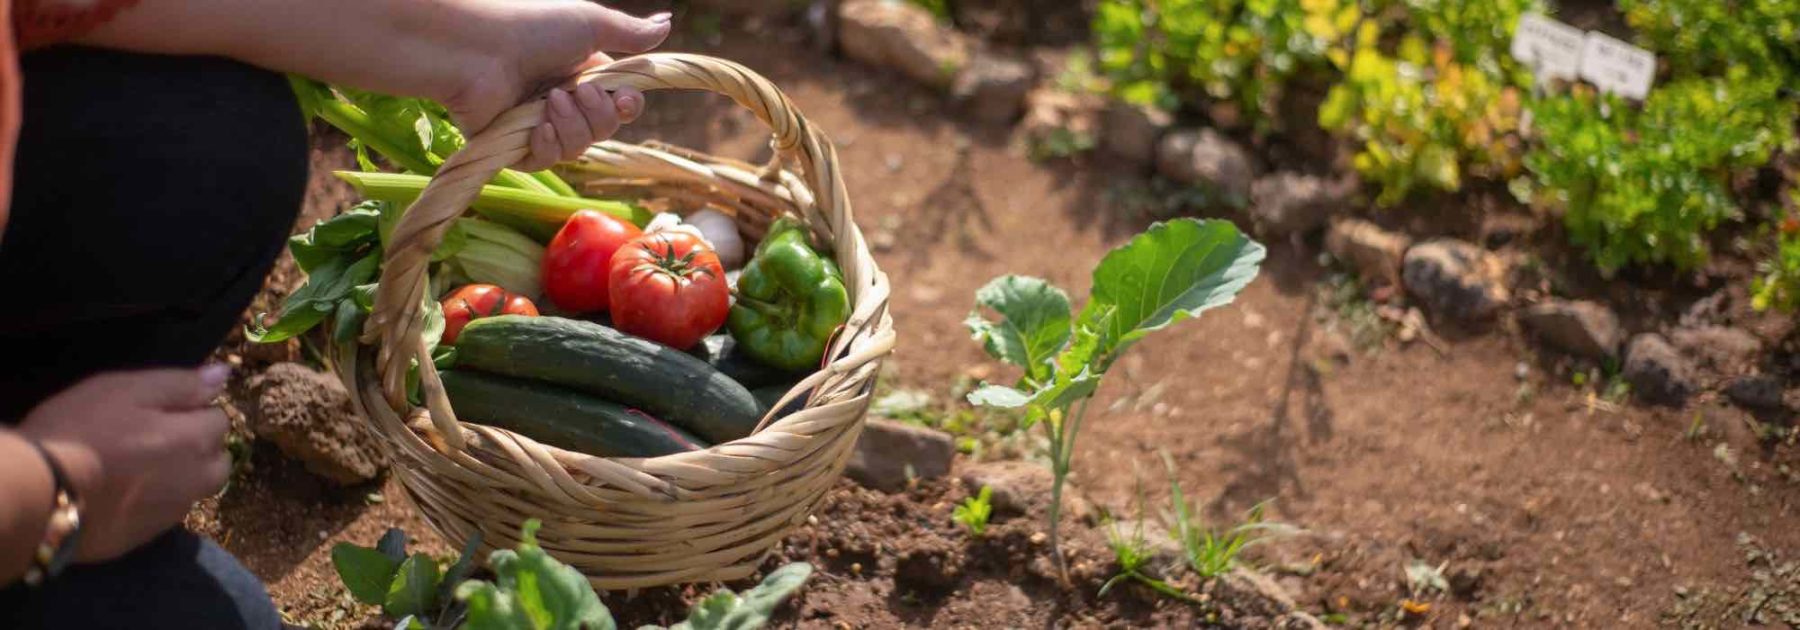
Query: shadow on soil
{"x": 283, "y": 539}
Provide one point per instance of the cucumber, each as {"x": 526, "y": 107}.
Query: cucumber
{"x": 600, "y": 361}
{"x": 720, "y": 351}
{"x": 766, "y": 397}
{"x": 563, "y": 418}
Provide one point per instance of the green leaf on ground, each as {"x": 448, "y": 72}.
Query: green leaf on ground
{"x": 365, "y": 572}
{"x": 414, "y": 589}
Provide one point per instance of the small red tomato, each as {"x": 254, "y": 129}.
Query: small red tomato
{"x": 668, "y": 287}
{"x": 475, "y": 301}
{"x": 579, "y": 258}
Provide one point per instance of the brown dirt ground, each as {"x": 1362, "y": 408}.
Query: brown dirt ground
{"x": 1546, "y": 508}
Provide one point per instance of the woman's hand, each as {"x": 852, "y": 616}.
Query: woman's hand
{"x": 477, "y": 57}
{"x": 139, "y": 448}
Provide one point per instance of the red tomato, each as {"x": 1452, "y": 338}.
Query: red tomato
{"x": 578, "y": 260}
{"x": 475, "y": 301}
{"x": 668, "y": 287}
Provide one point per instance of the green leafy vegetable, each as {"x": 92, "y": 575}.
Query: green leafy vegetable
{"x": 1644, "y": 187}
{"x": 1245, "y": 52}
{"x": 1035, "y": 325}
{"x": 415, "y": 134}
{"x": 1172, "y": 272}
{"x": 532, "y": 590}
{"x": 725, "y": 610}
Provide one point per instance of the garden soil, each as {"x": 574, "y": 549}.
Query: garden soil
{"x": 1510, "y": 498}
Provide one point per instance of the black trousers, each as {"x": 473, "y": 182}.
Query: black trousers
{"x": 151, "y": 196}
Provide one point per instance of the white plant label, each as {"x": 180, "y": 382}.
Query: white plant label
{"x": 1615, "y": 66}
{"x": 1550, "y": 48}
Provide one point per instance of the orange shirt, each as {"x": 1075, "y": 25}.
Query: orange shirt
{"x": 36, "y": 23}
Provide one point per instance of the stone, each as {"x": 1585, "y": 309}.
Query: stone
{"x": 1207, "y": 159}
{"x": 902, "y": 36}
{"x": 1049, "y": 112}
{"x": 993, "y": 87}
{"x": 1018, "y": 486}
{"x": 1455, "y": 279}
{"x": 1657, "y": 372}
{"x": 1723, "y": 349}
{"x": 888, "y": 449}
{"x": 1578, "y": 327}
{"x": 309, "y": 417}
{"x": 1761, "y": 392}
{"x": 1373, "y": 252}
{"x": 1290, "y": 203}
{"x": 1131, "y": 131}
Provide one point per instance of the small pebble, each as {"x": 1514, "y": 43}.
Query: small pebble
{"x": 1038, "y": 538}
{"x": 856, "y": 568}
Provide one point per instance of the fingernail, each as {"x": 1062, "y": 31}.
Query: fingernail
{"x": 662, "y": 17}
{"x": 213, "y": 376}
{"x": 561, "y": 106}
{"x": 628, "y": 105}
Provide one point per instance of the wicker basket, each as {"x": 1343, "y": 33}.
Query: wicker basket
{"x": 627, "y": 523}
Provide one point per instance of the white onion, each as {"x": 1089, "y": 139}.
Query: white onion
{"x": 721, "y": 232}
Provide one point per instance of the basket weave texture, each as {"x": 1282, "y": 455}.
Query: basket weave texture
{"x": 709, "y": 515}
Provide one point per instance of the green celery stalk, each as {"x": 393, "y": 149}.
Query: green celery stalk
{"x": 555, "y": 184}
{"x": 348, "y": 118}
{"x": 538, "y": 215}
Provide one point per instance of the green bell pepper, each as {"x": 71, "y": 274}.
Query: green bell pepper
{"x": 790, "y": 301}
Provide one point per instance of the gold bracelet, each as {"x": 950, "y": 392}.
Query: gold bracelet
{"x": 58, "y": 545}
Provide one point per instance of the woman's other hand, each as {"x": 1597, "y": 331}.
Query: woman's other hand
{"x": 139, "y": 448}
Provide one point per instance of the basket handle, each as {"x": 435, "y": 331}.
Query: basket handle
{"x": 397, "y": 320}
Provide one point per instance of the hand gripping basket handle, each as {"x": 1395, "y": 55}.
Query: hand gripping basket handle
{"x": 397, "y": 320}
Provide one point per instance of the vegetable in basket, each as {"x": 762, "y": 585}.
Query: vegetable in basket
{"x": 578, "y": 262}
{"x": 668, "y": 287}
{"x": 475, "y": 301}
{"x": 590, "y": 358}
{"x": 562, "y": 417}
{"x": 790, "y": 300}
{"x": 498, "y": 255}
{"x": 721, "y": 233}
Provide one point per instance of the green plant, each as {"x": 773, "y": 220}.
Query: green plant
{"x": 1445, "y": 101}
{"x": 939, "y": 9}
{"x": 974, "y": 511}
{"x": 1778, "y": 285}
{"x": 1211, "y": 552}
{"x": 530, "y": 591}
{"x": 1172, "y": 272}
{"x": 1708, "y": 37}
{"x": 1644, "y": 186}
{"x": 1164, "y": 52}
{"x": 1060, "y": 142}
{"x": 1133, "y": 553}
